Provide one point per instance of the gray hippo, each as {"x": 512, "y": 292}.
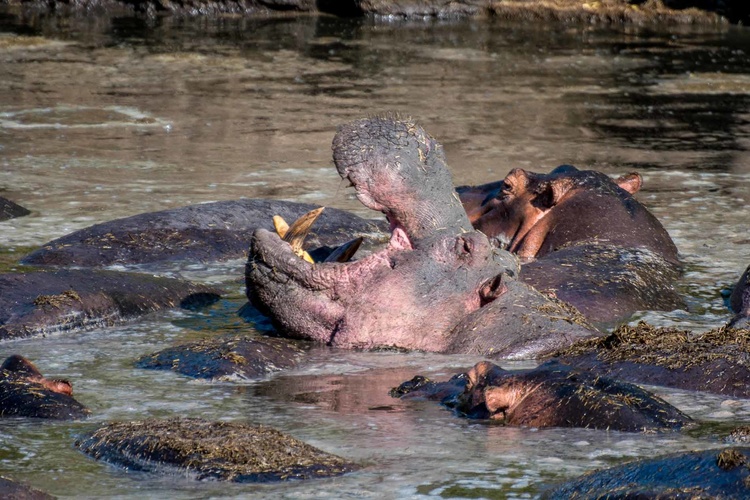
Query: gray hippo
{"x": 10, "y": 210}
{"x": 551, "y": 395}
{"x": 582, "y": 237}
{"x": 13, "y": 490}
{"x": 709, "y": 474}
{"x": 25, "y": 392}
{"x": 739, "y": 302}
{"x": 438, "y": 285}
{"x": 203, "y": 450}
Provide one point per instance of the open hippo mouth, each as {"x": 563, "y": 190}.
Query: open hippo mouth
{"x": 434, "y": 270}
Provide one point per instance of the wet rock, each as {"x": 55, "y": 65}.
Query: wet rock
{"x": 707, "y": 474}
{"x": 13, "y": 490}
{"x": 551, "y": 395}
{"x": 10, "y": 210}
{"x": 207, "y": 232}
{"x": 715, "y": 361}
{"x": 739, "y": 302}
{"x": 45, "y": 302}
{"x": 199, "y": 449}
{"x": 24, "y": 392}
{"x": 226, "y": 357}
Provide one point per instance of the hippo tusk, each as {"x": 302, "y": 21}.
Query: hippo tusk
{"x": 296, "y": 233}
{"x": 345, "y": 252}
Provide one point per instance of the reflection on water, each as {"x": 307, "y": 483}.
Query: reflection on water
{"x": 103, "y": 118}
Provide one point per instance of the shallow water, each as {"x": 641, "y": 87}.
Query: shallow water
{"x": 104, "y": 118}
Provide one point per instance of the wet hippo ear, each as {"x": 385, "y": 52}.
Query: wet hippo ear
{"x": 631, "y": 182}
{"x": 549, "y": 192}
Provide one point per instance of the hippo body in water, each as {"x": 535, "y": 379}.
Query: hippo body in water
{"x": 582, "y": 237}
{"x": 551, "y": 395}
{"x": 25, "y": 392}
{"x": 438, "y": 285}
{"x": 739, "y": 302}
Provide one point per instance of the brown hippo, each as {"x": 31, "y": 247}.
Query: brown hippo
{"x": 582, "y": 237}
{"x": 25, "y": 392}
{"x": 550, "y": 395}
{"x": 437, "y": 286}
{"x": 739, "y": 302}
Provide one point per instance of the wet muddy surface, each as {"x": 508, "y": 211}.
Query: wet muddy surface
{"x": 107, "y": 118}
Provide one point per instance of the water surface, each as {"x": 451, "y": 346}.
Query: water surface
{"x": 102, "y": 118}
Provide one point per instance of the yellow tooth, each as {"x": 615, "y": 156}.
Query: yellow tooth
{"x": 296, "y": 233}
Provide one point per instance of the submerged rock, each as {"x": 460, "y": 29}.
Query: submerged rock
{"x": 24, "y": 392}
{"x": 226, "y": 357}
{"x": 13, "y": 490}
{"x": 715, "y": 361}
{"x": 10, "y": 210}
{"x": 714, "y": 474}
{"x": 551, "y": 395}
{"x": 45, "y": 302}
{"x": 207, "y": 232}
{"x": 226, "y": 451}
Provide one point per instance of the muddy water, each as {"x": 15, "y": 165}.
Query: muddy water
{"x": 103, "y": 118}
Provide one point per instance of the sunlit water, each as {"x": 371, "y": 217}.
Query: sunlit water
{"x": 104, "y": 118}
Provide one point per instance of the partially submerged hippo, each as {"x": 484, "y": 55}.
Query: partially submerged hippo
{"x": 714, "y": 361}
{"x": 708, "y": 474}
{"x": 206, "y": 232}
{"x": 551, "y": 395}
{"x": 203, "y": 450}
{"x": 739, "y": 302}
{"x": 13, "y": 490}
{"x": 438, "y": 285}
{"x": 226, "y": 357}
{"x": 10, "y": 210}
{"x": 584, "y": 237}
{"x": 46, "y": 302}
{"x": 25, "y": 392}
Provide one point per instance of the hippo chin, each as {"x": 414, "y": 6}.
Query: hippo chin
{"x": 582, "y": 237}
{"x": 437, "y": 286}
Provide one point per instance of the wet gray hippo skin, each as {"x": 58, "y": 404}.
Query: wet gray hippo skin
{"x": 13, "y": 490}
{"x": 551, "y": 395}
{"x": 437, "y": 286}
{"x": 582, "y": 237}
{"x": 709, "y": 474}
{"x": 37, "y": 303}
{"x": 206, "y": 232}
{"x": 739, "y": 302}
{"x": 25, "y": 392}
{"x": 10, "y": 210}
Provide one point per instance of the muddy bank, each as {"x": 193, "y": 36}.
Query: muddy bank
{"x": 604, "y": 11}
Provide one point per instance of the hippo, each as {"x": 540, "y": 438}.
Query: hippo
{"x": 226, "y": 357}
{"x": 714, "y": 361}
{"x": 718, "y": 473}
{"x": 583, "y": 238}
{"x": 207, "y": 232}
{"x": 204, "y": 450}
{"x": 438, "y": 285}
{"x": 25, "y": 392}
{"x": 13, "y": 490}
{"x": 550, "y": 395}
{"x": 38, "y": 303}
{"x": 10, "y": 210}
{"x": 739, "y": 302}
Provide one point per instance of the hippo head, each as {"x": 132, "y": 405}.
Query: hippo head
{"x": 19, "y": 368}
{"x": 514, "y": 210}
{"x": 434, "y": 270}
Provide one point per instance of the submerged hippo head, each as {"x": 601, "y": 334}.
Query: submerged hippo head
{"x": 539, "y": 213}
{"x": 424, "y": 289}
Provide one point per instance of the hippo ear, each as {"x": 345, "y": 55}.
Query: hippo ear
{"x": 631, "y": 182}
{"x": 550, "y": 192}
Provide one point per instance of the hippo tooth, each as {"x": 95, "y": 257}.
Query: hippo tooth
{"x": 296, "y": 233}
{"x": 345, "y": 252}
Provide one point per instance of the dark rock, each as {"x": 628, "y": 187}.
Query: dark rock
{"x": 226, "y": 451}
{"x": 207, "y": 232}
{"x": 9, "y": 210}
{"x": 717, "y": 361}
{"x": 226, "y": 356}
{"x": 12, "y": 490}
{"x": 41, "y": 303}
{"x": 24, "y": 392}
{"x": 708, "y": 474}
{"x": 551, "y": 395}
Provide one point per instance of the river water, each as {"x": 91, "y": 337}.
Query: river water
{"x": 102, "y": 118}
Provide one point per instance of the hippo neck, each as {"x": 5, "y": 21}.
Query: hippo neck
{"x": 427, "y": 219}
